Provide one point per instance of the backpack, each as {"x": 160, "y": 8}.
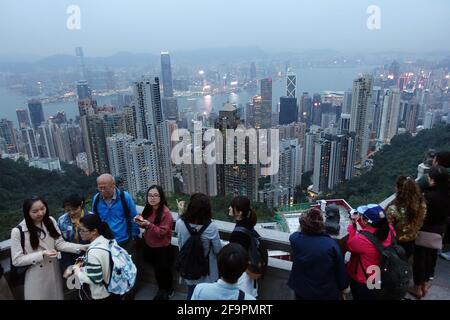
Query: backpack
{"x": 257, "y": 252}
{"x": 396, "y": 272}
{"x": 126, "y": 210}
{"x": 123, "y": 270}
{"x": 17, "y": 274}
{"x": 191, "y": 262}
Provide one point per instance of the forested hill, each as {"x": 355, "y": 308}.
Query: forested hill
{"x": 401, "y": 157}
{"x": 18, "y": 181}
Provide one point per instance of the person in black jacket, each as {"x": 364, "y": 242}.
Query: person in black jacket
{"x": 245, "y": 217}
{"x": 318, "y": 270}
{"x": 437, "y": 197}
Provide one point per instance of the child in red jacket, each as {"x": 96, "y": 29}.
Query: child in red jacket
{"x": 370, "y": 218}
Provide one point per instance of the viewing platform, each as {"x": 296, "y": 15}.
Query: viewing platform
{"x": 274, "y": 285}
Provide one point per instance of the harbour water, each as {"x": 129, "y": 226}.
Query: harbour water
{"x": 314, "y": 80}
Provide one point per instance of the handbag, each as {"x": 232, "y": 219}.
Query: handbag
{"x": 17, "y": 274}
{"x": 429, "y": 240}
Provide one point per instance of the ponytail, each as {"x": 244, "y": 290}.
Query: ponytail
{"x": 105, "y": 231}
{"x": 93, "y": 221}
{"x": 383, "y": 229}
{"x": 242, "y": 204}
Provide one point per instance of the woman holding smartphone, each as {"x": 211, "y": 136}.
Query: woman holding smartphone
{"x": 157, "y": 221}
{"x": 42, "y": 243}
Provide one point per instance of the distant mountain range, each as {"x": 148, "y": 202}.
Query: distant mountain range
{"x": 24, "y": 63}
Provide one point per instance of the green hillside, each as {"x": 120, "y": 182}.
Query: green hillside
{"x": 401, "y": 157}
{"x": 18, "y": 181}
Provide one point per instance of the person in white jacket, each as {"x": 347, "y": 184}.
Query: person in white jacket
{"x": 42, "y": 243}
{"x": 97, "y": 269}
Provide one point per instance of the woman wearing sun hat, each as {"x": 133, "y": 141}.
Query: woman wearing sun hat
{"x": 364, "y": 254}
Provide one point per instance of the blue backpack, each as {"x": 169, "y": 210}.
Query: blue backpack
{"x": 123, "y": 270}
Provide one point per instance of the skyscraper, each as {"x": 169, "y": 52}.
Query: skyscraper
{"x": 46, "y": 144}
{"x": 254, "y": 113}
{"x": 7, "y": 132}
{"x": 344, "y": 123}
{"x": 83, "y": 90}
{"x": 29, "y": 139}
{"x": 291, "y": 84}
{"x": 359, "y": 122}
{"x": 23, "y": 118}
{"x": 291, "y": 164}
{"x": 36, "y": 113}
{"x": 390, "y": 117}
{"x": 266, "y": 103}
{"x": 117, "y": 156}
{"x": 412, "y": 115}
{"x": 306, "y": 109}
{"x": 150, "y": 126}
{"x": 333, "y": 161}
{"x": 316, "y": 115}
{"x": 147, "y": 108}
{"x": 170, "y": 108}
{"x": 236, "y": 178}
{"x": 347, "y": 106}
{"x": 288, "y": 110}
{"x": 82, "y": 68}
{"x": 142, "y": 166}
{"x": 166, "y": 72}
{"x": 377, "y": 104}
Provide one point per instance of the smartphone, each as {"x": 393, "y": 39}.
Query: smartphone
{"x": 139, "y": 218}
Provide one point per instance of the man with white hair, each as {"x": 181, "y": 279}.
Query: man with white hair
{"x": 117, "y": 209}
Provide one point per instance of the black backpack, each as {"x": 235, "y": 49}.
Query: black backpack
{"x": 257, "y": 252}
{"x": 396, "y": 272}
{"x": 126, "y": 210}
{"x": 17, "y": 274}
{"x": 191, "y": 262}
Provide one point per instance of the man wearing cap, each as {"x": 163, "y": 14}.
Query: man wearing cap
{"x": 370, "y": 218}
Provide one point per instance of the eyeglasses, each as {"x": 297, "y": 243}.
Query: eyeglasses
{"x": 154, "y": 196}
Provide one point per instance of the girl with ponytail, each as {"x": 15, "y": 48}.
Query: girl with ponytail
{"x": 97, "y": 269}
{"x": 240, "y": 210}
{"x": 406, "y": 213}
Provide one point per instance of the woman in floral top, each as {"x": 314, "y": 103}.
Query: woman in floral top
{"x": 407, "y": 213}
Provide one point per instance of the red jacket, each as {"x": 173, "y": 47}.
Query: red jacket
{"x": 157, "y": 236}
{"x": 362, "y": 249}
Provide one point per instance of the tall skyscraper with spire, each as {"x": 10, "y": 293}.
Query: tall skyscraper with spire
{"x": 82, "y": 67}
{"x": 291, "y": 84}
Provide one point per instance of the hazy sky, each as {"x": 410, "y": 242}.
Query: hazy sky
{"x": 38, "y": 27}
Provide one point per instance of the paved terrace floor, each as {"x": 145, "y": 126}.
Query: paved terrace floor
{"x": 440, "y": 289}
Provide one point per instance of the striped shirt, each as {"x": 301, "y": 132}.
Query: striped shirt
{"x": 97, "y": 270}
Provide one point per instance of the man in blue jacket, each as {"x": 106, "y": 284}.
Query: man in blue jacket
{"x": 117, "y": 209}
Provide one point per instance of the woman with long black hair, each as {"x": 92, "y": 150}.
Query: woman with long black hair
{"x": 42, "y": 243}
{"x": 157, "y": 221}
{"x": 241, "y": 211}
